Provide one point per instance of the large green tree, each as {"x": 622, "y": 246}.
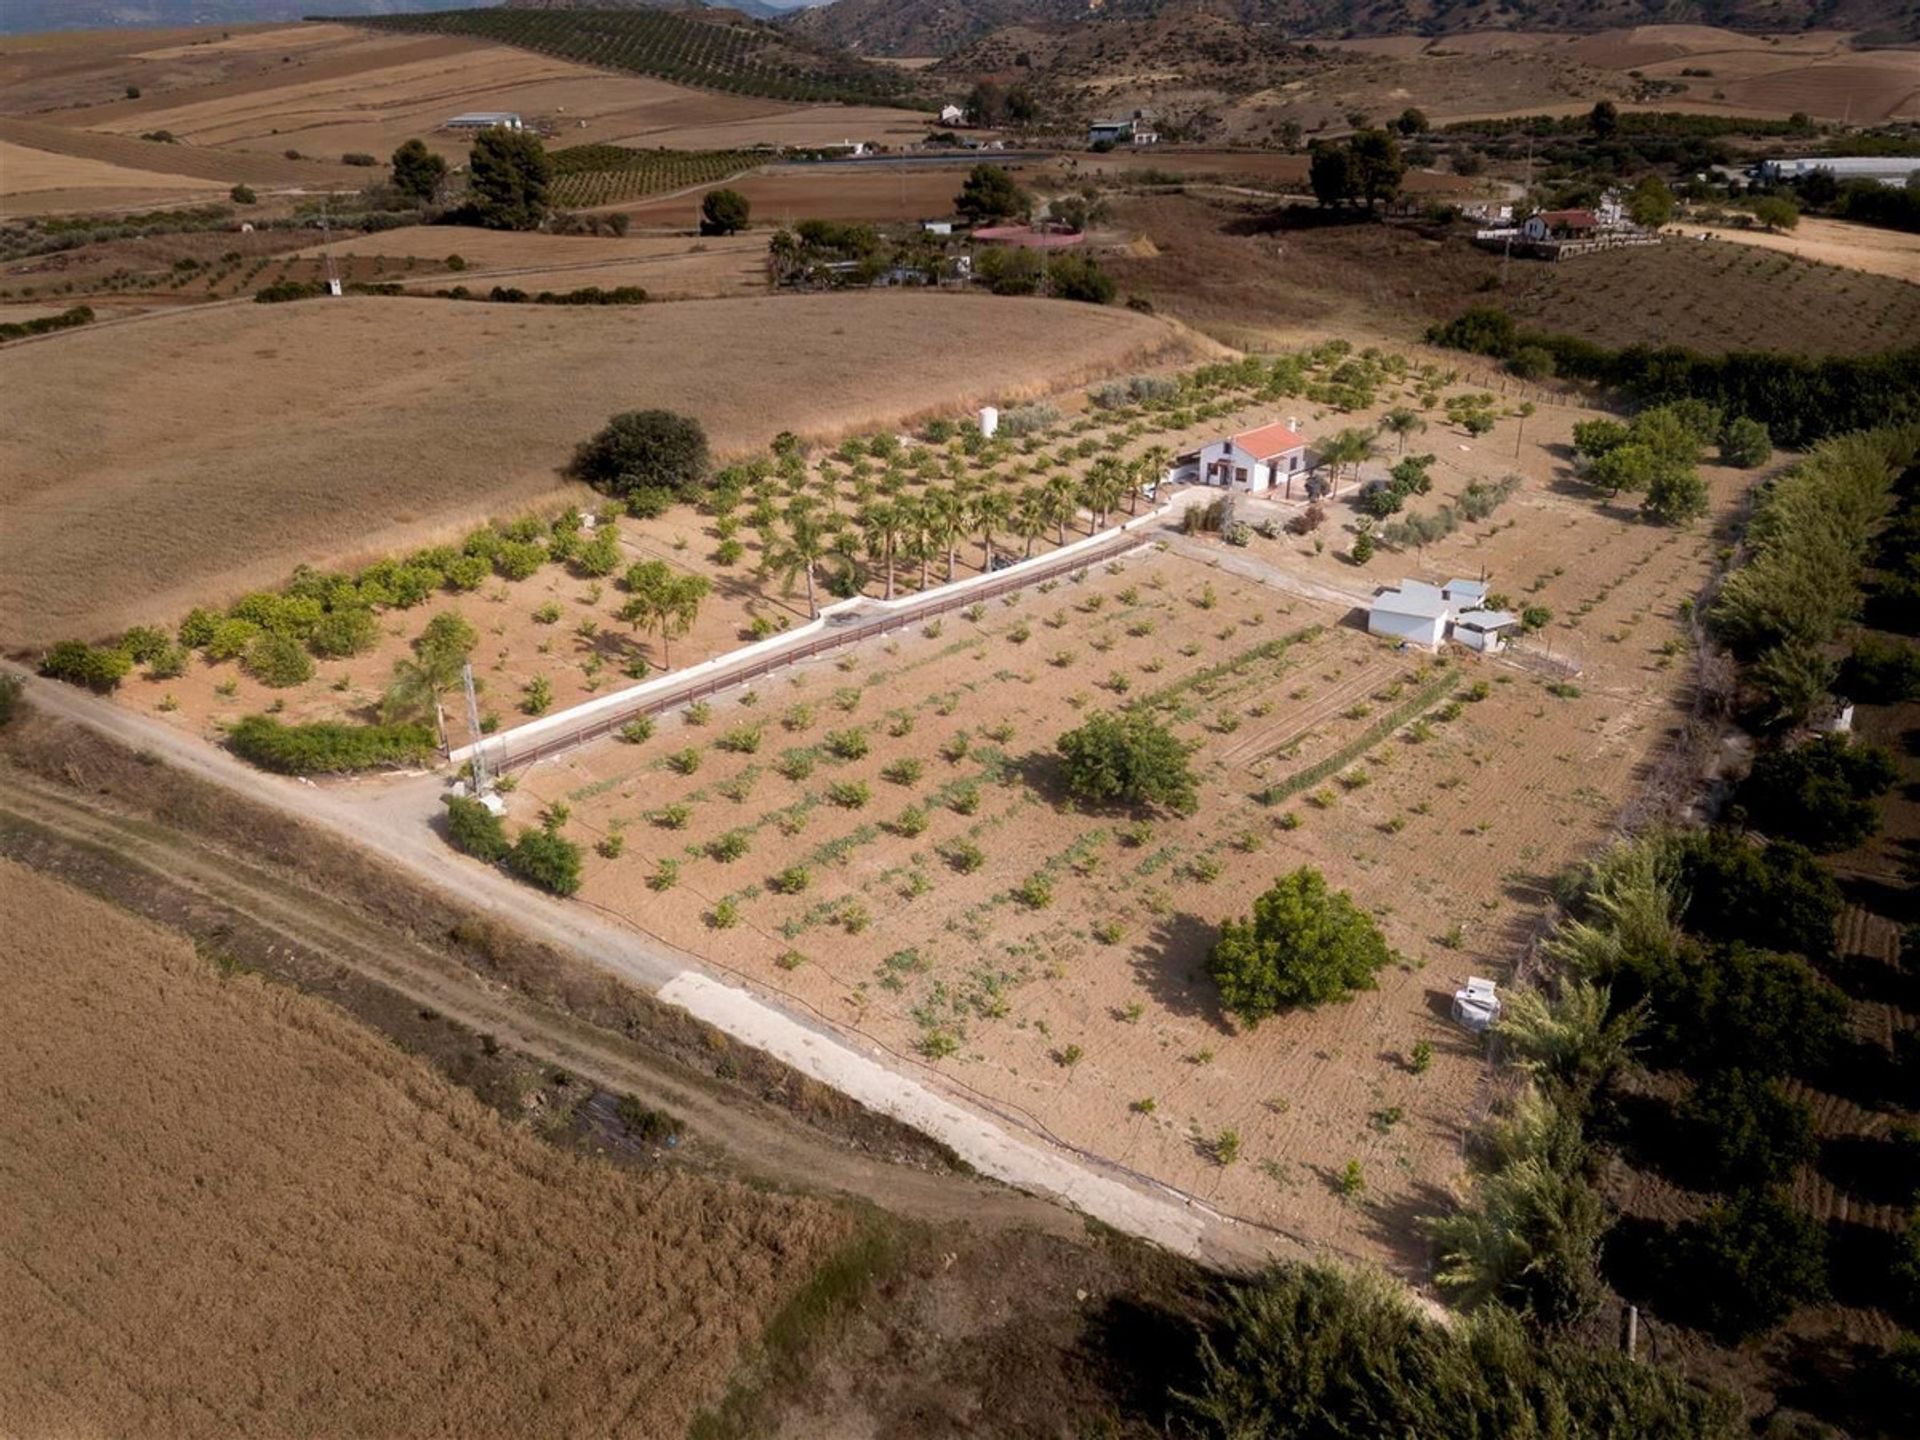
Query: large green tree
{"x": 1378, "y": 166}
{"x": 645, "y": 450}
{"x": 1302, "y": 945}
{"x": 1128, "y": 759}
{"x": 418, "y": 173}
{"x": 724, "y": 212}
{"x": 989, "y": 194}
{"x": 508, "y": 176}
{"x": 1330, "y": 173}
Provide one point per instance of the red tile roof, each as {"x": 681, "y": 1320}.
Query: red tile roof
{"x": 1269, "y": 441}
{"x": 1571, "y": 219}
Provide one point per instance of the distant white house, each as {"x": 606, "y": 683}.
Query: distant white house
{"x": 1254, "y": 461}
{"x": 486, "y": 120}
{"x": 952, "y": 115}
{"x": 1122, "y": 132}
{"x": 1423, "y": 614}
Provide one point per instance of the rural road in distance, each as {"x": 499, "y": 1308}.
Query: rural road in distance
{"x": 393, "y": 820}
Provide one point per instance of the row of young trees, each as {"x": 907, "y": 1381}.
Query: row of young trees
{"x": 1802, "y": 399}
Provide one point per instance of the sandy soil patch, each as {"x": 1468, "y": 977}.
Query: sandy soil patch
{"x": 1833, "y": 242}
{"x": 222, "y": 1196}
{"x": 368, "y": 425}
{"x": 784, "y": 125}
{"x": 1078, "y": 1012}
{"x": 1864, "y": 90}
{"x": 33, "y": 179}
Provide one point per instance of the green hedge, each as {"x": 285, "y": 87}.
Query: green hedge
{"x": 45, "y": 324}
{"x": 327, "y": 748}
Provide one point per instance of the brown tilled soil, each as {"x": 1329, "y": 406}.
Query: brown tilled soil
{"x": 365, "y": 425}
{"x": 230, "y": 1210}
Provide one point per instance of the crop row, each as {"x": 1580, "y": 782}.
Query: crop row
{"x": 587, "y": 175}
{"x": 739, "y": 58}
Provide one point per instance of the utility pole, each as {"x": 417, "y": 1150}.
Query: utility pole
{"x": 481, "y": 782}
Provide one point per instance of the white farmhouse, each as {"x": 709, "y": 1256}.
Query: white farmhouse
{"x": 1415, "y": 612}
{"x": 1255, "y": 461}
{"x": 952, "y": 115}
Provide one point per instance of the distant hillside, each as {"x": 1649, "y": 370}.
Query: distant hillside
{"x": 25, "y": 17}
{"x": 710, "y": 49}
{"x": 938, "y": 27}
{"x": 756, "y": 9}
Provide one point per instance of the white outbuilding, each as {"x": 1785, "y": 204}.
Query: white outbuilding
{"x": 1414, "y": 611}
{"x": 1485, "y": 630}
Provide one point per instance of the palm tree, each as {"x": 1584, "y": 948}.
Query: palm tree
{"x": 992, "y": 510}
{"x": 882, "y": 525}
{"x": 419, "y": 685}
{"x": 1106, "y": 482}
{"x": 1032, "y": 516}
{"x": 947, "y": 516}
{"x": 803, "y": 548}
{"x": 1147, "y": 471}
{"x": 1062, "y": 499}
{"x": 1349, "y": 447}
{"x": 916, "y": 533}
{"x": 1403, "y": 422}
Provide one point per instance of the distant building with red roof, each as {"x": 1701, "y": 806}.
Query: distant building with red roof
{"x": 1254, "y": 461}
{"x": 1560, "y": 224}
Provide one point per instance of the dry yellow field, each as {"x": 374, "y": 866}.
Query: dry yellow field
{"x": 228, "y": 1210}
{"x": 328, "y": 90}
{"x": 1833, "y": 242}
{"x": 38, "y": 182}
{"x": 365, "y": 425}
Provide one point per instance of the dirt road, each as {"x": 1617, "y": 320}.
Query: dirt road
{"x": 391, "y": 819}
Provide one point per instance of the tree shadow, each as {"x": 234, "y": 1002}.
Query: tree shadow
{"x": 1640, "y": 1261}
{"x": 1293, "y": 219}
{"x": 1878, "y": 1171}
{"x": 1870, "y": 979}
{"x": 1144, "y": 1353}
{"x": 1650, "y": 1135}
{"x": 1862, "y": 1268}
{"x": 1834, "y": 1378}
{"x": 1396, "y": 1224}
{"x": 1169, "y": 968}
{"x": 1863, "y": 1072}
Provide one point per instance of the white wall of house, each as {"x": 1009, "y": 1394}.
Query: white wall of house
{"x": 1225, "y": 465}
{"x": 1422, "y": 630}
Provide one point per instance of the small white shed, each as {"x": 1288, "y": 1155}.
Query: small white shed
{"x": 1485, "y": 630}
{"x": 1415, "y": 612}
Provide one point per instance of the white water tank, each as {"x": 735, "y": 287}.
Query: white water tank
{"x": 989, "y": 421}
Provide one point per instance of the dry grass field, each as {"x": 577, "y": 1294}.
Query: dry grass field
{"x": 1504, "y": 72}
{"x": 229, "y": 1210}
{"x": 783, "y": 196}
{"x": 366, "y": 425}
{"x": 238, "y": 103}
{"x": 937, "y": 893}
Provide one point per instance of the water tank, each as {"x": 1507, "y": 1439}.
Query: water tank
{"x": 989, "y": 421}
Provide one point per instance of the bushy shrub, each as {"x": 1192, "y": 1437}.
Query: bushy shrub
{"x": 1745, "y": 443}
{"x": 326, "y": 748}
{"x": 344, "y": 632}
{"x": 1775, "y": 895}
{"x": 1750, "y": 1262}
{"x": 92, "y": 666}
{"x": 1302, "y": 945}
{"x": 1880, "y": 671}
{"x": 1744, "y": 1130}
{"x": 1128, "y": 759}
{"x": 475, "y": 829}
{"x": 645, "y": 450}
{"x": 278, "y": 661}
{"x": 546, "y": 860}
{"x": 1340, "y": 1354}
{"x": 1821, "y": 794}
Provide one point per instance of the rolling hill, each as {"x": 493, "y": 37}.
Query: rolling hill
{"x": 938, "y": 27}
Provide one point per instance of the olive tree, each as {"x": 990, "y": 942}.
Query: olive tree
{"x": 645, "y": 450}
